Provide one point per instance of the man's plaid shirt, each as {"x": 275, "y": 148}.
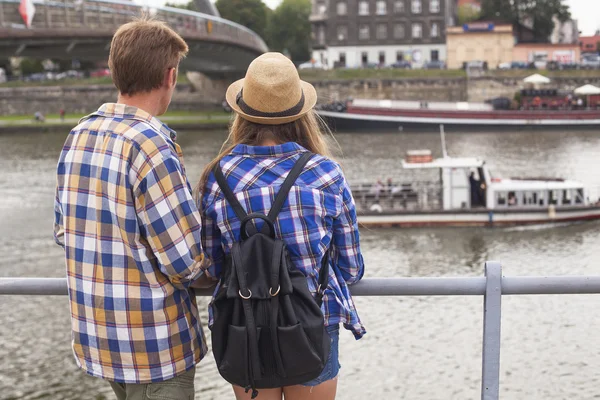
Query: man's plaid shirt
{"x": 319, "y": 217}
{"x": 131, "y": 232}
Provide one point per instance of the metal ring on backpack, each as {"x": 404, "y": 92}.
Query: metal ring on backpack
{"x": 244, "y": 297}
{"x": 276, "y": 293}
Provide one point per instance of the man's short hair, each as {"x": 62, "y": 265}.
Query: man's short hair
{"x": 140, "y": 53}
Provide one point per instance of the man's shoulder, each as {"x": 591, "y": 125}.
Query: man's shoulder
{"x": 141, "y": 134}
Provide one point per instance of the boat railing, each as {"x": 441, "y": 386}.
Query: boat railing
{"x": 492, "y": 286}
{"x": 414, "y": 196}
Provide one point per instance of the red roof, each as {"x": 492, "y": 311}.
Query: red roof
{"x": 589, "y": 43}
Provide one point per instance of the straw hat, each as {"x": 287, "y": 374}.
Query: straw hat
{"x": 272, "y": 92}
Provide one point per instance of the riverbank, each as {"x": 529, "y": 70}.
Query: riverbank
{"x": 177, "y": 120}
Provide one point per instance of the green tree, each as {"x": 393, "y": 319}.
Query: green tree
{"x": 466, "y": 13}
{"x": 253, "y": 14}
{"x": 186, "y": 6}
{"x": 30, "y": 66}
{"x": 289, "y": 29}
{"x": 539, "y": 12}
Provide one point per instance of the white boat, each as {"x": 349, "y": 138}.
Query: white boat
{"x": 459, "y": 199}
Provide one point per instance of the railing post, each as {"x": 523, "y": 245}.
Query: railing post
{"x": 492, "y": 315}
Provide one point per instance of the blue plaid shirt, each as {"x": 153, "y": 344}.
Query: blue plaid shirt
{"x": 125, "y": 215}
{"x": 318, "y": 217}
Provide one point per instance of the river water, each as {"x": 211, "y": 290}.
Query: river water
{"x": 416, "y": 347}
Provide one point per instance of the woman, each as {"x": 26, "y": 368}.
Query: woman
{"x": 273, "y": 126}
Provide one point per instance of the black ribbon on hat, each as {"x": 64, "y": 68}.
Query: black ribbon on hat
{"x": 256, "y": 113}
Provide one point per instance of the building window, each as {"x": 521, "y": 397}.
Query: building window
{"x": 434, "y": 6}
{"x": 381, "y": 31}
{"x": 363, "y": 32}
{"x": 382, "y": 58}
{"x": 342, "y": 33}
{"x": 435, "y": 55}
{"x": 435, "y": 30}
{"x": 416, "y": 6}
{"x": 399, "y": 56}
{"x": 363, "y": 8}
{"x": 342, "y": 59}
{"x": 321, "y": 9}
{"x": 381, "y": 7}
{"x": 399, "y": 6}
{"x": 417, "y": 31}
{"x": 364, "y": 57}
{"x": 321, "y": 35}
{"x": 342, "y": 9}
{"x": 399, "y": 31}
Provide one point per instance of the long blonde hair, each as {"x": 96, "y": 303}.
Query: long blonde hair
{"x": 309, "y": 131}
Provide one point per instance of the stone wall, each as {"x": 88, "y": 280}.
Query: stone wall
{"x": 393, "y": 89}
{"x": 204, "y": 93}
{"x": 86, "y": 99}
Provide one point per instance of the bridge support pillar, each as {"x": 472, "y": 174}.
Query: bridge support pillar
{"x": 210, "y": 89}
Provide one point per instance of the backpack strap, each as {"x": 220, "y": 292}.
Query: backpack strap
{"x": 282, "y": 195}
{"x": 230, "y": 196}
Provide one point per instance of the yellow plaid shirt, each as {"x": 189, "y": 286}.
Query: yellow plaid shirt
{"x": 131, "y": 232}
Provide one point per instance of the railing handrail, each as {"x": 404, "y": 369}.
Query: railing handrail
{"x": 492, "y": 287}
{"x": 417, "y": 286}
{"x": 172, "y": 10}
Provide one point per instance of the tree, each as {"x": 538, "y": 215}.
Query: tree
{"x": 289, "y": 29}
{"x": 466, "y": 13}
{"x": 253, "y": 14}
{"x": 539, "y": 12}
{"x": 186, "y": 6}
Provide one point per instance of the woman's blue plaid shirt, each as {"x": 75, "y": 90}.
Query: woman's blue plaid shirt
{"x": 318, "y": 217}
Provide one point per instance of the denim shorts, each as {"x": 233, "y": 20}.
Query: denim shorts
{"x": 332, "y": 367}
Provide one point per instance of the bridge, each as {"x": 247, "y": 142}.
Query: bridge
{"x": 82, "y": 30}
{"x": 493, "y": 286}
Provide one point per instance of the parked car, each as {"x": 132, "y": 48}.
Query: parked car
{"x": 476, "y": 64}
{"x": 100, "y": 73}
{"x": 522, "y": 65}
{"x": 590, "y": 61}
{"x": 311, "y": 65}
{"x": 402, "y": 64}
{"x": 558, "y": 66}
{"x": 504, "y": 66}
{"x": 370, "y": 65}
{"x": 434, "y": 65}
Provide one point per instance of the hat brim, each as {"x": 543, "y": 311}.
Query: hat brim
{"x": 310, "y": 100}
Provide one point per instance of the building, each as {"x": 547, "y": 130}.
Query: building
{"x": 354, "y": 33}
{"x": 565, "y": 32}
{"x": 589, "y": 44}
{"x": 480, "y": 41}
{"x": 541, "y": 53}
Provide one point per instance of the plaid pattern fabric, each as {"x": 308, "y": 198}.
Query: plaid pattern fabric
{"x": 125, "y": 215}
{"x": 319, "y": 216}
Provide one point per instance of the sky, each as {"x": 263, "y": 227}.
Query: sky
{"x": 586, "y": 12}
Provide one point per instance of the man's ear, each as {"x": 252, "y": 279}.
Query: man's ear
{"x": 170, "y": 78}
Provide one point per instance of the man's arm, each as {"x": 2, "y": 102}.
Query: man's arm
{"x": 169, "y": 219}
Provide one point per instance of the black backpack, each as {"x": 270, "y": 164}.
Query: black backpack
{"x": 268, "y": 329}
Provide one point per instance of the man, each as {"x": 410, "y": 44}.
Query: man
{"x": 131, "y": 232}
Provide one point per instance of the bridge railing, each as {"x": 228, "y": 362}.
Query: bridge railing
{"x": 107, "y": 15}
{"x": 492, "y": 287}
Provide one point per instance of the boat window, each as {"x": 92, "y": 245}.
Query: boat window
{"x": 553, "y": 197}
{"x": 512, "y": 199}
{"x": 579, "y": 196}
{"x": 501, "y": 198}
{"x": 566, "y": 197}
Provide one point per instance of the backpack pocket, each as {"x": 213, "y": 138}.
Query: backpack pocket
{"x": 234, "y": 365}
{"x": 298, "y": 354}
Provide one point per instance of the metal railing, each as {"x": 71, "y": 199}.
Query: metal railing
{"x": 492, "y": 287}
{"x": 109, "y": 14}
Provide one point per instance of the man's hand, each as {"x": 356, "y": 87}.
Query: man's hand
{"x": 203, "y": 282}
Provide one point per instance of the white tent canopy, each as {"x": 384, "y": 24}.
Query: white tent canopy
{"x": 536, "y": 79}
{"x": 587, "y": 90}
